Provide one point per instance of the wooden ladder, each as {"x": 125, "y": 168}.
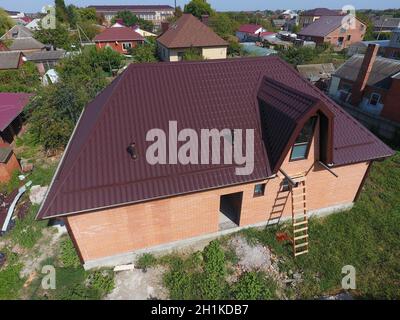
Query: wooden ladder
{"x": 299, "y": 216}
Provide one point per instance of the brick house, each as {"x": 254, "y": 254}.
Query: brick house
{"x": 329, "y": 29}
{"x": 186, "y": 33}
{"x": 119, "y": 39}
{"x": 115, "y": 203}
{"x": 309, "y": 16}
{"x": 369, "y": 82}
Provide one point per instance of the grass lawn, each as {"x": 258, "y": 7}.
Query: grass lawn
{"x": 366, "y": 237}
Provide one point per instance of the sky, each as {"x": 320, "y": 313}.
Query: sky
{"x": 220, "y": 5}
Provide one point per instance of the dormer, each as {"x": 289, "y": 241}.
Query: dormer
{"x": 289, "y": 119}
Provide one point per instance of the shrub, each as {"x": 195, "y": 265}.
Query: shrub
{"x": 145, "y": 261}
{"x": 254, "y": 286}
{"x": 69, "y": 257}
{"x": 102, "y": 280}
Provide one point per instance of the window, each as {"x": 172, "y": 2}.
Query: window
{"x": 126, "y": 45}
{"x": 374, "y": 99}
{"x": 180, "y": 55}
{"x": 348, "y": 37}
{"x": 302, "y": 143}
{"x": 259, "y": 190}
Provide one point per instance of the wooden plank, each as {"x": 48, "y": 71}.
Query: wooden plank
{"x": 300, "y": 245}
{"x": 301, "y": 229}
{"x": 301, "y": 237}
{"x": 300, "y": 223}
{"x": 300, "y": 253}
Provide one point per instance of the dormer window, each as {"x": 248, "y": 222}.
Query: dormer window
{"x": 302, "y": 144}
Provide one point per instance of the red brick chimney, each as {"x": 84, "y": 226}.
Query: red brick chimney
{"x": 164, "y": 26}
{"x": 204, "y": 19}
{"x": 363, "y": 74}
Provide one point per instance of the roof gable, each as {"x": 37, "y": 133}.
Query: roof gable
{"x": 9, "y": 59}
{"x": 188, "y": 31}
{"x": 11, "y": 105}
{"x": 17, "y": 31}
{"x": 97, "y": 172}
{"x": 249, "y": 28}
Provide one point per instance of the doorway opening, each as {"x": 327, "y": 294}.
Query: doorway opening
{"x": 230, "y": 208}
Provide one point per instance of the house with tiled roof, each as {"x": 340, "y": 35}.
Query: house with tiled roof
{"x": 248, "y": 32}
{"x": 120, "y": 39}
{"x": 173, "y": 152}
{"x": 338, "y": 31}
{"x": 369, "y": 82}
{"x": 309, "y": 16}
{"x": 187, "y": 33}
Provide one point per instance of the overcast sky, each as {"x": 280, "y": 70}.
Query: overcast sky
{"x": 222, "y": 5}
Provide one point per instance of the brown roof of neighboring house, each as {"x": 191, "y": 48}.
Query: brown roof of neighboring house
{"x": 45, "y": 55}
{"x": 323, "y": 26}
{"x": 317, "y": 71}
{"x": 188, "y": 31}
{"x": 17, "y": 31}
{"x": 118, "y": 34}
{"x": 97, "y": 171}
{"x": 382, "y": 70}
{"x": 25, "y": 44}
{"x": 319, "y": 12}
{"x": 9, "y": 59}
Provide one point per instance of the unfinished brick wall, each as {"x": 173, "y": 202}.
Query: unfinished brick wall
{"x": 7, "y": 169}
{"x": 114, "y": 231}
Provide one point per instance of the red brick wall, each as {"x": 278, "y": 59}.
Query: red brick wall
{"x": 355, "y": 34}
{"x": 391, "y": 107}
{"x": 6, "y": 169}
{"x": 117, "y": 45}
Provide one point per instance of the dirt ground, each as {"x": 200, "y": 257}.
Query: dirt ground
{"x": 138, "y": 285}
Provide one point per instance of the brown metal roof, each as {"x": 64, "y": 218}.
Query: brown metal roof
{"x": 118, "y": 34}
{"x": 188, "y": 31}
{"x": 97, "y": 171}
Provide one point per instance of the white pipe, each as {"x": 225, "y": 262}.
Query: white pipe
{"x": 13, "y": 204}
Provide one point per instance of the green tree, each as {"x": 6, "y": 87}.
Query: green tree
{"x": 198, "y": 8}
{"x": 61, "y": 11}
{"x": 223, "y": 25}
{"x": 6, "y": 22}
{"x": 298, "y": 55}
{"x": 56, "y": 108}
{"x": 129, "y": 19}
{"x": 146, "y": 52}
{"x": 24, "y": 79}
{"x": 58, "y": 37}
{"x": 369, "y": 32}
{"x": 193, "y": 54}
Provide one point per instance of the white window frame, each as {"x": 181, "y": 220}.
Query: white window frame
{"x": 377, "y": 101}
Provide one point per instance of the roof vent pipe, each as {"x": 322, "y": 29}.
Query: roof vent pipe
{"x": 132, "y": 150}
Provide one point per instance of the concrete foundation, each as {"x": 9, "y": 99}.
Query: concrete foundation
{"x": 130, "y": 257}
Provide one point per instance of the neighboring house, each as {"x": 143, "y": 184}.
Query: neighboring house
{"x": 46, "y": 59}
{"x": 279, "y": 23}
{"x": 392, "y": 50}
{"x": 119, "y": 39}
{"x": 11, "y": 60}
{"x": 310, "y": 16}
{"x": 116, "y": 201}
{"x": 317, "y": 74}
{"x": 11, "y": 106}
{"x": 26, "y": 45}
{"x": 3, "y": 47}
{"x": 34, "y": 24}
{"x": 186, "y": 33}
{"x": 386, "y": 24}
{"x": 8, "y": 164}
{"x": 329, "y": 29}
{"x": 249, "y": 32}
{"x": 289, "y": 14}
{"x": 369, "y": 82}
{"x": 361, "y": 47}
{"x": 17, "y": 31}
{"x": 154, "y": 13}
{"x": 119, "y": 24}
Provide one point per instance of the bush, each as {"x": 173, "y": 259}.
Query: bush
{"x": 254, "y": 286}
{"x": 145, "y": 261}
{"x": 101, "y": 280}
{"x": 68, "y": 255}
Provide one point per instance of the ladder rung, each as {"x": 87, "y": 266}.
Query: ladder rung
{"x": 300, "y": 253}
{"x": 301, "y": 213}
{"x": 301, "y": 245}
{"x": 301, "y": 237}
{"x": 298, "y": 195}
{"x": 300, "y": 223}
{"x": 300, "y": 230}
